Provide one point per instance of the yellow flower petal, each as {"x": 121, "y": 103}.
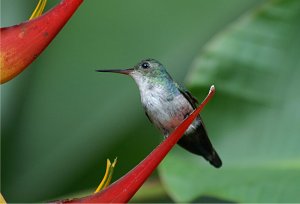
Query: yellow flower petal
{"x": 38, "y": 9}
{"x": 2, "y": 199}
{"x": 107, "y": 176}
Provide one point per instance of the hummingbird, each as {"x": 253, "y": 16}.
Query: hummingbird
{"x": 167, "y": 104}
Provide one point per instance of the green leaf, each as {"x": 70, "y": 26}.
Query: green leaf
{"x": 254, "y": 119}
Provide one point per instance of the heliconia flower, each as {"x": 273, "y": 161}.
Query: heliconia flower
{"x": 123, "y": 189}
{"x": 21, "y": 44}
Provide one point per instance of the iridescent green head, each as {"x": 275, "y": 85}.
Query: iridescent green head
{"x": 147, "y": 68}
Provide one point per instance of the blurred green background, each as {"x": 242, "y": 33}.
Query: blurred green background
{"x": 60, "y": 119}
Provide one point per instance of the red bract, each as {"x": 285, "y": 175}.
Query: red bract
{"x": 123, "y": 189}
{"x": 21, "y": 44}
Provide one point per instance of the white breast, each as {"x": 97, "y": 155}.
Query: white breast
{"x": 166, "y": 110}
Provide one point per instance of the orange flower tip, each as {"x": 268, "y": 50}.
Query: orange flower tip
{"x": 22, "y": 43}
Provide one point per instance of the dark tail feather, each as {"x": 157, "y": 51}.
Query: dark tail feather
{"x": 198, "y": 143}
{"x": 215, "y": 160}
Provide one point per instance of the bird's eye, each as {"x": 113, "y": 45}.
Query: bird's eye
{"x": 145, "y": 65}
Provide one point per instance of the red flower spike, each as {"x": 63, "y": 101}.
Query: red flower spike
{"x": 21, "y": 44}
{"x": 123, "y": 189}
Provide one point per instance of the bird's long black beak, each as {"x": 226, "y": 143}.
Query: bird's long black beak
{"x": 120, "y": 71}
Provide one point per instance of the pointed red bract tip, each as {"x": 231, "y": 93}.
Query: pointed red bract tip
{"x": 123, "y": 189}
{"x": 21, "y": 44}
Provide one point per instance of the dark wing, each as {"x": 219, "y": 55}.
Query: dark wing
{"x": 198, "y": 142}
{"x": 191, "y": 99}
